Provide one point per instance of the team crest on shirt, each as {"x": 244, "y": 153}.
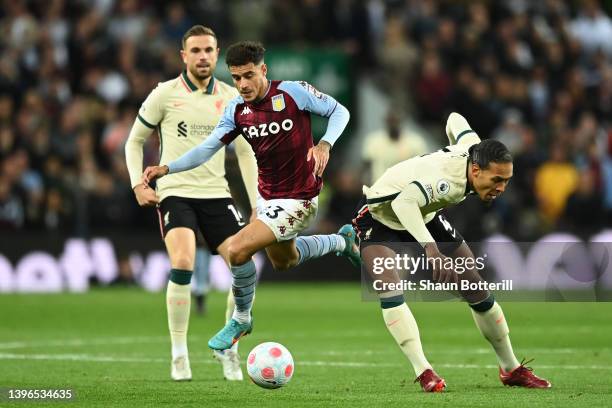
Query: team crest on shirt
{"x": 278, "y": 103}
{"x": 219, "y": 106}
{"x": 443, "y": 187}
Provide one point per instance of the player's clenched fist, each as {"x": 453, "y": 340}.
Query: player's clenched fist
{"x": 145, "y": 196}
{"x": 152, "y": 173}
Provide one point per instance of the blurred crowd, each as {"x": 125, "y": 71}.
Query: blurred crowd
{"x": 535, "y": 75}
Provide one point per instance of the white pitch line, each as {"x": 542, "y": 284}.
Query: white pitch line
{"x": 78, "y": 342}
{"x": 459, "y": 350}
{"x": 115, "y": 359}
{"x": 102, "y": 341}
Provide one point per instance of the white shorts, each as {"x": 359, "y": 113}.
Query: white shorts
{"x": 287, "y": 217}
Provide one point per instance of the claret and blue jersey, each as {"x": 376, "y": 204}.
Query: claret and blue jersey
{"x": 278, "y": 129}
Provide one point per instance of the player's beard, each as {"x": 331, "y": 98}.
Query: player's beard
{"x": 201, "y": 77}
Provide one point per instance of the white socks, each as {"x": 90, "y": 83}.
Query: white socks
{"x": 402, "y": 326}
{"x": 492, "y": 324}
{"x": 178, "y": 303}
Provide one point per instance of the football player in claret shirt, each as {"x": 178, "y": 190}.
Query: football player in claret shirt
{"x": 274, "y": 118}
{"x": 404, "y": 205}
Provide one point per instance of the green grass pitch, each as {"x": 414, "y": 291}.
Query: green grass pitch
{"x": 111, "y": 346}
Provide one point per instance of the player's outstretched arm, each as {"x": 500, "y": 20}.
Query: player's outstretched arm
{"x": 224, "y": 133}
{"x": 190, "y": 160}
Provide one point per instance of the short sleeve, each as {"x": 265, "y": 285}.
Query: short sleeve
{"x": 308, "y": 98}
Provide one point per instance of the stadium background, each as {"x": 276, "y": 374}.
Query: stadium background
{"x": 535, "y": 75}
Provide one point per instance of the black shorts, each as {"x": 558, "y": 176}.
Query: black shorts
{"x": 216, "y": 218}
{"x": 370, "y": 230}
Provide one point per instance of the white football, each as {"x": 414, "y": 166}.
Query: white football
{"x": 270, "y": 365}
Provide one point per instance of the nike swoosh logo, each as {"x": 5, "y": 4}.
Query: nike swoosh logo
{"x": 177, "y": 104}
{"x": 393, "y": 322}
{"x": 501, "y": 319}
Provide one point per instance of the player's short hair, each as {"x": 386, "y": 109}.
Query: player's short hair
{"x": 244, "y": 52}
{"x": 197, "y": 30}
{"x": 489, "y": 151}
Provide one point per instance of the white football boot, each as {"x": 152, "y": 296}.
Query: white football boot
{"x": 231, "y": 364}
{"x": 180, "y": 369}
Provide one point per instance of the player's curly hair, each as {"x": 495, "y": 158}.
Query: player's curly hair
{"x": 244, "y": 52}
{"x": 489, "y": 151}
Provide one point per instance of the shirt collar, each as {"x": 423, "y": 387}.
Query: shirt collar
{"x": 209, "y": 89}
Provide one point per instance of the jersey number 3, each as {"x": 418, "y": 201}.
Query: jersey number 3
{"x": 272, "y": 212}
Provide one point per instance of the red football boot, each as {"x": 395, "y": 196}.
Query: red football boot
{"x": 430, "y": 381}
{"x": 522, "y": 376}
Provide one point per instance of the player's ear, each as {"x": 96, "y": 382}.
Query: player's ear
{"x": 475, "y": 169}
{"x": 184, "y": 56}
{"x": 264, "y": 69}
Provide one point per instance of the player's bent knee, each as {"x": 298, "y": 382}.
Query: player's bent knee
{"x": 237, "y": 255}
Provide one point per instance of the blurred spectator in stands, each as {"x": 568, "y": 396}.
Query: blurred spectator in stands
{"x": 7, "y": 108}
{"x": 259, "y": 20}
{"x": 433, "y": 89}
{"x": 31, "y": 185}
{"x": 12, "y": 213}
{"x": 386, "y": 147}
{"x": 350, "y": 29}
{"x": 474, "y": 101}
{"x": 129, "y": 23}
{"x": 511, "y": 131}
{"x": 116, "y": 132}
{"x": 398, "y": 58}
{"x": 8, "y": 141}
{"x": 539, "y": 95}
{"x": 176, "y": 22}
{"x": 584, "y": 210}
{"x": 287, "y": 24}
{"x": 593, "y": 28}
{"x": 555, "y": 180}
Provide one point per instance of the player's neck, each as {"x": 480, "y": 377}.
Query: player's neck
{"x": 266, "y": 88}
{"x": 201, "y": 84}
